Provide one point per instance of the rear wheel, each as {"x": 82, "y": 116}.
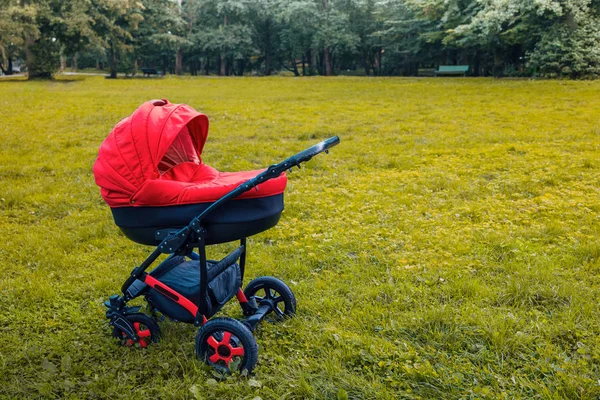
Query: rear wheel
{"x": 275, "y": 290}
{"x": 226, "y": 344}
{"x": 145, "y": 327}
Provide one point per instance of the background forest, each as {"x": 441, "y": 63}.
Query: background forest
{"x": 548, "y": 38}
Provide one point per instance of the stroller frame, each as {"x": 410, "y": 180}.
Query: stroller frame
{"x": 183, "y": 242}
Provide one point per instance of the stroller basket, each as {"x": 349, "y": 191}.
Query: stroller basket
{"x": 183, "y": 275}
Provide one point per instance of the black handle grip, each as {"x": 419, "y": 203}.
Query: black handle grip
{"x": 316, "y": 149}
{"x": 275, "y": 170}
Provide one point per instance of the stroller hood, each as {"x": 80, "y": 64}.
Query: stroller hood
{"x": 142, "y": 147}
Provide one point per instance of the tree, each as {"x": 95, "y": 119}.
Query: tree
{"x": 160, "y": 35}
{"x": 114, "y": 21}
{"x": 365, "y": 23}
{"x": 224, "y": 31}
{"x": 35, "y": 21}
{"x": 15, "y": 25}
{"x": 332, "y": 36}
{"x": 266, "y": 33}
{"x": 42, "y": 28}
{"x": 73, "y": 27}
{"x": 569, "y": 44}
{"x": 297, "y": 20}
{"x": 552, "y": 38}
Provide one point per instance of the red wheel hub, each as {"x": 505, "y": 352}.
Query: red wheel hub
{"x": 224, "y": 350}
{"x": 142, "y": 333}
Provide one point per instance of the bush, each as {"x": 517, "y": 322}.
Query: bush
{"x": 45, "y": 58}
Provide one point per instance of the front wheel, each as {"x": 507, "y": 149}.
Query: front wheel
{"x": 226, "y": 344}
{"x": 145, "y": 327}
{"x": 275, "y": 290}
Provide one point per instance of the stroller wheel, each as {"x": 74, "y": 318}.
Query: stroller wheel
{"x": 270, "y": 288}
{"x": 226, "y": 344}
{"x": 145, "y": 327}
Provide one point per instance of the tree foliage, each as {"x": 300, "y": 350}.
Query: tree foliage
{"x": 552, "y": 38}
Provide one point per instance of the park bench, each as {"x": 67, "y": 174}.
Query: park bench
{"x": 426, "y": 72}
{"x": 150, "y": 71}
{"x": 452, "y": 70}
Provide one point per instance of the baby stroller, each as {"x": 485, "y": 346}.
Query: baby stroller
{"x": 160, "y": 193}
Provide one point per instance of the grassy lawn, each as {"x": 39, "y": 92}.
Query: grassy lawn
{"x": 448, "y": 248}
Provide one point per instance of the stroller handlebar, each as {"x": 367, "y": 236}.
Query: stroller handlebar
{"x": 312, "y": 151}
{"x": 272, "y": 172}
{"x": 275, "y": 170}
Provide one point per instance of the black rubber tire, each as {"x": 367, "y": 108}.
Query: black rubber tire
{"x": 240, "y": 337}
{"x": 146, "y": 323}
{"x": 272, "y": 287}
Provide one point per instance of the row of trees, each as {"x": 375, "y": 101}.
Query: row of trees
{"x": 553, "y": 38}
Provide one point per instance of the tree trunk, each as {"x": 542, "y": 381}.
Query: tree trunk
{"x": 313, "y": 62}
{"x": 30, "y": 58}
{"x": 498, "y": 65}
{"x": 321, "y": 63}
{"x": 29, "y": 55}
{"x": 241, "y": 67}
{"x": 267, "y": 61}
{"x": 373, "y": 64}
{"x": 223, "y": 69}
{"x": 327, "y": 56}
{"x": 223, "y": 58}
{"x": 327, "y": 51}
{"x": 179, "y": 62}
{"x": 10, "y": 66}
{"x": 113, "y": 61}
{"x": 268, "y": 47}
{"x": 303, "y": 65}
{"x": 136, "y": 66}
{"x": 230, "y": 66}
{"x": 295, "y": 67}
{"x": 377, "y": 62}
{"x": 164, "y": 65}
{"x": 74, "y": 66}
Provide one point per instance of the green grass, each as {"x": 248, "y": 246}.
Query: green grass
{"x": 448, "y": 248}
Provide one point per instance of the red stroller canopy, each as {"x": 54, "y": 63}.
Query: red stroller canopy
{"x": 131, "y": 154}
{"x": 152, "y": 158}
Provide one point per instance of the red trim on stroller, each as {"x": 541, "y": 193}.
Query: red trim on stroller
{"x": 171, "y": 294}
{"x": 241, "y": 296}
